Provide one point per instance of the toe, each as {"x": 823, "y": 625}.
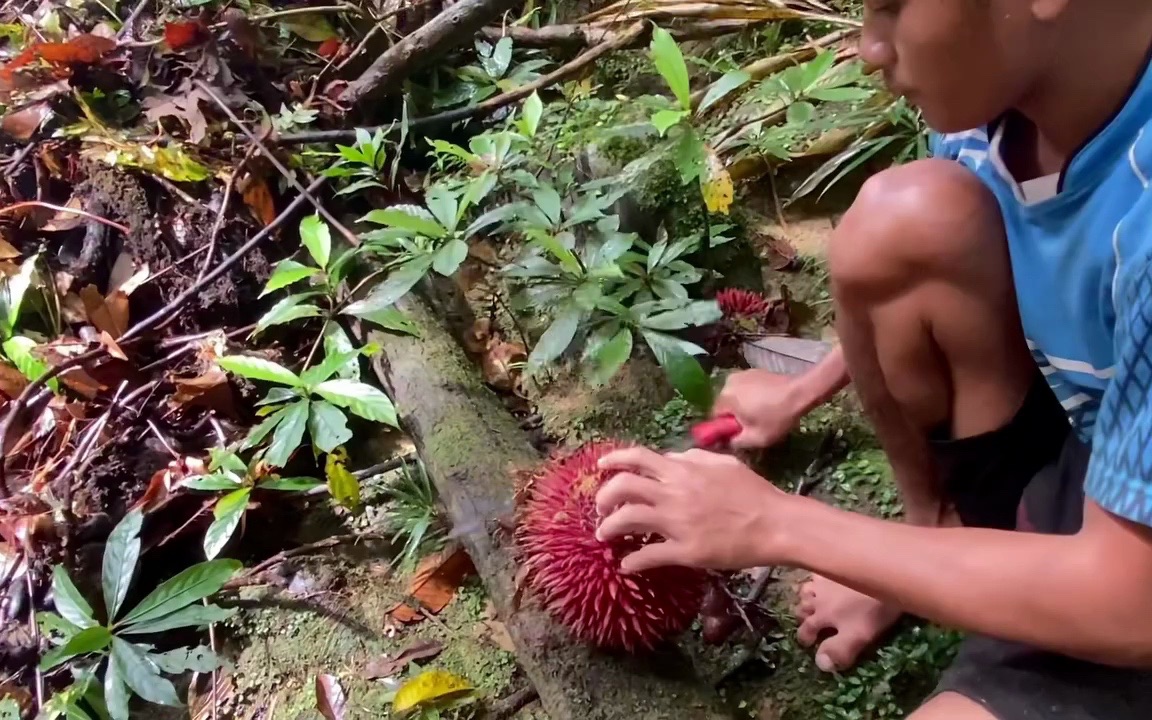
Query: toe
{"x": 804, "y": 609}
{"x": 809, "y": 631}
{"x": 839, "y": 652}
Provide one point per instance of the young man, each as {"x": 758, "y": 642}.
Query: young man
{"x": 995, "y": 314}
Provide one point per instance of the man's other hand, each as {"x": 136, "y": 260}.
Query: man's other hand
{"x": 767, "y": 405}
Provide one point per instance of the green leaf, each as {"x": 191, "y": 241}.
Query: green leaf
{"x": 329, "y": 367}
{"x": 362, "y": 399}
{"x": 225, "y": 459}
{"x": 343, "y": 485}
{"x": 13, "y": 291}
{"x": 548, "y": 200}
{"x": 556, "y": 338}
{"x": 611, "y": 356}
{"x": 286, "y": 310}
{"x": 287, "y": 272}
{"x": 840, "y": 94}
{"x": 449, "y": 257}
{"x": 328, "y": 426}
{"x": 719, "y": 89}
{"x": 19, "y": 350}
{"x": 10, "y": 709}
{"x": 69, "y": 602}
{"x": 664, "y": 346}
{"x": 690, "y": 155}
{"x": 141, "y": 674}
{"x": 228, "y": 512}
{"x": 188, "y": 659}
{"x": 288, "y": 435}
{"x": 801, "y": 113}
{"x": 669, "y": 62}
{"x": 176, "y": 593}
{"x": 255, "y": 368}
{"x": 257, "y": 434}
{"x": 501, "y": 57}
{"x": 336, "y": 341}
{"x": 115, "y": 692}
{"x": 443, "y": 204}
{"x": 90, "y": 640}
{"x": 665, "y": 119}
{"x": 120, "y": 555}
{"x": 277, "y": 395}
{"x": 212, "y": 482}
{"x": 408, "y": 218}
{"x": 399, "y": 282}
{"x": 493, "y": 216}
{"x": 689, "y": 379}
{"x": 693, "y": 314}
{"x": 531, "y": 113}
{"x": 193, "y": 616}
{"x": 317, "y": 237}
{"x": 291, "y": 484}
{"x": 392, "y": 319}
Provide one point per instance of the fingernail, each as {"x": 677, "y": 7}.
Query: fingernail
{"x": 825, "y": 663}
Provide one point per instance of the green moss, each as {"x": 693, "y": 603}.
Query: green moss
{"x": 454, "y": 442}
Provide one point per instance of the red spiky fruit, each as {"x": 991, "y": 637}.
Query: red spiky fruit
{"x": 578, "y": 578}
{"x": 743, "y": 310}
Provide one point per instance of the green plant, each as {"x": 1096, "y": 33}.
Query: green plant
{"x": 18, "y": 348}
{"x": 362, "y": 164}
{"x": 309, "y": 401}
{"x": 414, "y": 514}
{"x": 227, "y": 472}
{"x": 129, "y": 667}
{"x": 494, "y": 72}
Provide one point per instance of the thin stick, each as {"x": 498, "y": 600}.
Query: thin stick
{"x": 219, "y": 224}
{"x": 61, "y": 208}
{"x": 35, "y": 636}
{"x": 288, "y": 174}
{"x": 129, "y": 25}
{"x": 241, "y": 580}
{"x": 494, "y": 103}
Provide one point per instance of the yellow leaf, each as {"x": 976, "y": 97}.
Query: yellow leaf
{"x": 343, "y": 485}
{"x": 716, "y": 185}
{"x": 311, "y": 27}
{"x": 429, "y": 688}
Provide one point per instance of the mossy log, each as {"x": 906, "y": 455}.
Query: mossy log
{"x": 472, "y": 448}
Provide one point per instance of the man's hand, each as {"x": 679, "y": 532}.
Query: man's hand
{"x": 712, "y": 510}
{"x": 767, "y": 405}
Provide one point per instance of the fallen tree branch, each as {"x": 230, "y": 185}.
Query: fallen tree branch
{"x": 586, "y": 35}
{"x": 453, "y": 26}
{"x": 494, "y": 103}
{"x": 245, "y": 578}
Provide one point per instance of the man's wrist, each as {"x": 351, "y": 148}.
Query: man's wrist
{"x": 783, "y": 523}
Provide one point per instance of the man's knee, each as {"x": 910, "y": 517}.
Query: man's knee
{"x": 923, "y": 219}
{"x": 951, "y": 706}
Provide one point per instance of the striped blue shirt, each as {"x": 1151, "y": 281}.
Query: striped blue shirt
{"x": 1081, "y": 248}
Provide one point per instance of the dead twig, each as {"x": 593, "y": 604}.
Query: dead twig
{"x": 34, "y": 627}
{"x": 243, "y": 578}
{"x": 506, "y": 707}
{"x": 61, "y": 208}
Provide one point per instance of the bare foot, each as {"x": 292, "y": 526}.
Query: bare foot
{"x": 856, "y": 621}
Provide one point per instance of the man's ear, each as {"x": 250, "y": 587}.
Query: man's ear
{"x": 1048, "y": 10}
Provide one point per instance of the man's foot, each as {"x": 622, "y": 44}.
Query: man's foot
{"x": 855, "y": 620}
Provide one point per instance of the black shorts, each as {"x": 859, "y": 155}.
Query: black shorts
{"x": 1029, "y": 476}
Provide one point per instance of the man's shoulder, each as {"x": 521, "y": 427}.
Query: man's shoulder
{"x": 969, "y": 146}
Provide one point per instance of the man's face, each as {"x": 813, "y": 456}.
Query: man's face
{"x": 962, "y": 62}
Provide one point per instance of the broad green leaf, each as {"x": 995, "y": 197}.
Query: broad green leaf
{"x": 218, "y": 481}
{"x": 141, "y": 674}
{"x": 449, "y": 257}
{"x": 225, "y": 459}
{"x": 90, "y": 640}
{"x": 120, "y": 555}
{"x": 286, "y": 310}
{"x": 290, "y": 484}
{"x": 342, "y": 484}
{"x": 693, "y": 314}
{"x": 257, "y": 434}
{"x": 228, "y": 512}
{"x": 288, "y": 435}
{"x": 840, "y": 94}
{"x": 719, "y": 89}
{"x": 277, "y": 394}
{"x": 664, "y": 346}
{"x": 801, "y": 113}
{"x": 56, "y": 628}
{"x": 477, "y": 190}
{"x": 191, "y": 585}
{"x": 328, "y": 426}
{"x": 530, "y": 115}
{"x": 317, "y": 237}
{"x": 18, "y": 349}
{"x": 443, "y": 204}
{"x": 287, "y": 272}
{"x": 329, "y": 367}
{"x": 10, "y": 709}
{"x": 188, "y": 659}
{"x": 689, "y": 379}
{"x": 405, "y": 217}
{"x": 548, "y": 200}
{"x": 336, "y": 341}
{"x": 665, "y": 119}
{"x": 362, "y": 399}
{"x": 498, "y": 214}
{"x": 396, "y": 286}
{"x": 556, "y": 338}
{"x": 501, "y": 58}
{"x": 69, "y": 602}
{"x": 428, "y": 688}
{"x": 690, "y": 155}
{"x": 193, "y": 616}
{"x": 116, "y": 693}
{"x": 392, "y": 319}
{"x": 669, "y": 61}
{"x": 611, "y": 356}
{"x": 255, "y": 368}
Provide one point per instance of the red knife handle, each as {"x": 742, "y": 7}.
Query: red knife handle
{"x": 717, "y": 431}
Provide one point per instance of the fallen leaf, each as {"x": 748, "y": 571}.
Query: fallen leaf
{"x": 182, "y": 34}
{"x": 330, "y": 48}
{"x": 330, "y": 698}
{"x": 12, "y": 381}
{"x": 716, "y": 185}
{"x": 63, "y": 221}
{"x": 210, "y": 390}
{"x": 7, "y": 252}
{"x": 342, "y": 484}
{"x": 434, "y": 584}
{"x": 384, "y": 666}
{"x": 258, "y": 197}
{"x": 428, "y": 688}
{"x": 499, "y": 364}
{"x": 22, "y": 124}
{"x": 80, "y": 50}
{"x": 497, "y": 633}
{"x": 108, "y": 314}
{"x": 110, "y": 345}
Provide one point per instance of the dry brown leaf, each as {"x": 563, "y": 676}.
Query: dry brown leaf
{"x": 330, "y": 698}
{"x": 62, "y": 221}
{"x": 22, "y": 124}
{"x": 258, "y": 197}
{"x": 7, "y": 251}
{"x": 434, "y": 584}
{"x": 210, "y": 390}
{"x": 179, "y": 35}
{"x": 110, "y": 345}
{"x": 383, "y": 667}
{"x": 107, "y": 314}
{"x": 498, "y": 365}
{"x": 497, "y": 633}
{"x": 12, "y": 381}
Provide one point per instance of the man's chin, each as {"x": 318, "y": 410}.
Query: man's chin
{"x": 944, "y": 121}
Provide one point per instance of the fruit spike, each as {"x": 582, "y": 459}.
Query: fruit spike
{"x": 578, "y": 577}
